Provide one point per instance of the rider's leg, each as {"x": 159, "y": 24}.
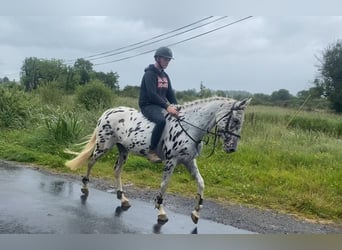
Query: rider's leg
{"x": 155, "y": 114}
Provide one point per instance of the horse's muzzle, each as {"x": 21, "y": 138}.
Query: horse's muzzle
{"x": 230, "y": 147}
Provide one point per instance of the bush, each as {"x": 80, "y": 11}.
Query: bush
{"x": 50, "y": 93}
{"x": 14, "y": 108}
{"x": 94, "y": 95}
{"x": 63, "y": 127}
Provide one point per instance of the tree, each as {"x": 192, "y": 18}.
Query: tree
{"x": 331, "y": 75}
{"x": 29, "y": 73}
{"x": 110, "y": 79}
{"x": 70, "y": 80}
{"x": 94, "y": 95}
{"x": 131, "y": 91}
{"x": 4, "y": 80}
{"x": 37, "y": 71}
{"x": 220, "y": 93}
{"x": 50, "y": 70}
{"x": 314, "y": 92}
{"x": 187, "y": 95}
{"x": 281, "y": 95}
{"x": 204, "y": 92}
{"x": 84, "y": 69}
{"x": 261, "y": 99}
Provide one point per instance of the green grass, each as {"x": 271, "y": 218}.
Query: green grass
{"x": 286, "y": 162}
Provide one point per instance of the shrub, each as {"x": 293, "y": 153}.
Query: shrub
{"x": 14, "y": 108}
{"x": 63, "y": 127}
{"x": 94, "y": 95}
{"x": 50, "y": 93}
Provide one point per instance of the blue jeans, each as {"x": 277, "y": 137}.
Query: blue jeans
{"x": 155, "y": 114}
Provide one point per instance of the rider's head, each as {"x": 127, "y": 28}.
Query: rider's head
{"x": 163, "y": 55}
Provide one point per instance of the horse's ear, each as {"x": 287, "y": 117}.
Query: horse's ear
{"x": 243, "y": 104}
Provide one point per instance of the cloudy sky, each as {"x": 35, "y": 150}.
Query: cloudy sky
{"x": 260, "y": 54}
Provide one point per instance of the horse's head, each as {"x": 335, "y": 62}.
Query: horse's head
{"x": 229, "y": 125}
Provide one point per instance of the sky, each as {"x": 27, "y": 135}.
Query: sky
{"x": 260, "y": 54}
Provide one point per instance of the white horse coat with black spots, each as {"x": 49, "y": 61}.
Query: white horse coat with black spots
{"x": 180, "y": 142}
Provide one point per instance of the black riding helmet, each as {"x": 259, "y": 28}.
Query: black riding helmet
{"x": 163, "y": 52}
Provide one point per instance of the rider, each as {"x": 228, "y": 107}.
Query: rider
{"x": 156, "y": 95}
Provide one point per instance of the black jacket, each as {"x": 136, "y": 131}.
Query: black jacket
{"x": 156, "y": 88}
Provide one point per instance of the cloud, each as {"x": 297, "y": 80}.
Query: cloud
{"x": 259, "y": 55}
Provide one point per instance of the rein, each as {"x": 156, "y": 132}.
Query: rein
{"x": 205, "y": 130}
{"x": 186, "y": 132}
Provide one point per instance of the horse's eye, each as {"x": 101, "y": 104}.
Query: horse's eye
{"x": 236, "y": 121}
{"x": 220, "y": 131}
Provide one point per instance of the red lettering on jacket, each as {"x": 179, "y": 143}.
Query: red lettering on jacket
{"x": 162, "y": 82}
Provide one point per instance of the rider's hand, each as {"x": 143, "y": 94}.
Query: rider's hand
{"x": 172, "y": 110}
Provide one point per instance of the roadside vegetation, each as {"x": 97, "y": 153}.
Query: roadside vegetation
{"x": 289, "y": 157}
{"x": 287, "y": 160}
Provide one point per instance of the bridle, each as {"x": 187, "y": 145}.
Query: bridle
{"x": 226, "y": 129}
{"x": 216, "y": 133}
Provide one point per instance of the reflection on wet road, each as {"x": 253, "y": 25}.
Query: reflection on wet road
{"x": 34, "y": 202}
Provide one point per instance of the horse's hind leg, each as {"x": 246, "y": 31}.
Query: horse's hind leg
{"x": 193, "y": 169}
{"x": 101, "y": 148}
{"x": 123, "y": 153}
{"x": 85, "y": 179}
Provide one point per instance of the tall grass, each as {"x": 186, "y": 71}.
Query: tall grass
{"x": 64, "y": 127}
{"x": 285, "y": 160}
{"x": 14, "y": 108}
{"x": 328, "y": 124}
{"x": 297, "y": 169}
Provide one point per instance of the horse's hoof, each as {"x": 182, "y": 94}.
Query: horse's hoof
{"x": 83, "y": 198}
{"x": 194, "y": 231}
{"x": 195, "y": 216}
{"x": 125, "y": 205}
{"x": 85, "y": 191}
{"x": 162, "y": 219}
{"x": 118, "y": 211}
{"x": 157, "y": 228}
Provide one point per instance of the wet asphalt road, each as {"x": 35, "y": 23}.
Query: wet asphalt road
{"x": 34, "y": 202}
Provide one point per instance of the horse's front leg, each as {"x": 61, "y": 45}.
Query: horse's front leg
{"x": 192, "y": 167}
{"x": 167, "y": 172}
{"x": 117, "y": 173}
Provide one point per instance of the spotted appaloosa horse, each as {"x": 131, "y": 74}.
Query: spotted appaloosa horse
{"x": 181, "y": 141}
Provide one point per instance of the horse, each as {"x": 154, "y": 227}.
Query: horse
{"x": 180, "y": 143}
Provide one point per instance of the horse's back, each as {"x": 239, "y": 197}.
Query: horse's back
{"x": 126, "y": 126}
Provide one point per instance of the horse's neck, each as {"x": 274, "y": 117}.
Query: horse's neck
{"x": 202, "y": 116}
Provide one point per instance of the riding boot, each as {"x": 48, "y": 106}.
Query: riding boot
{"x": 153, "y": 157}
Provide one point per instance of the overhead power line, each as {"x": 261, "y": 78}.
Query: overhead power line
{"x": 144, "y": 41}
{"x": 155, "y": 37}
{"x": 175, "y": 43}
{"x": 156, "y": 41}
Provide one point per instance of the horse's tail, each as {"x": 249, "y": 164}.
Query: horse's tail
{"x": 84, "y": 155}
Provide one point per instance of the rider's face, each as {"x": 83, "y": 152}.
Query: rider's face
{"x": 164, "y": 62}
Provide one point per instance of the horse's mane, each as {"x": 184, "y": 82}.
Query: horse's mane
{"x": 205, "y": 100}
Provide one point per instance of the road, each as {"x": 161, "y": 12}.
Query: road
{"x": 35, "y": 202}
